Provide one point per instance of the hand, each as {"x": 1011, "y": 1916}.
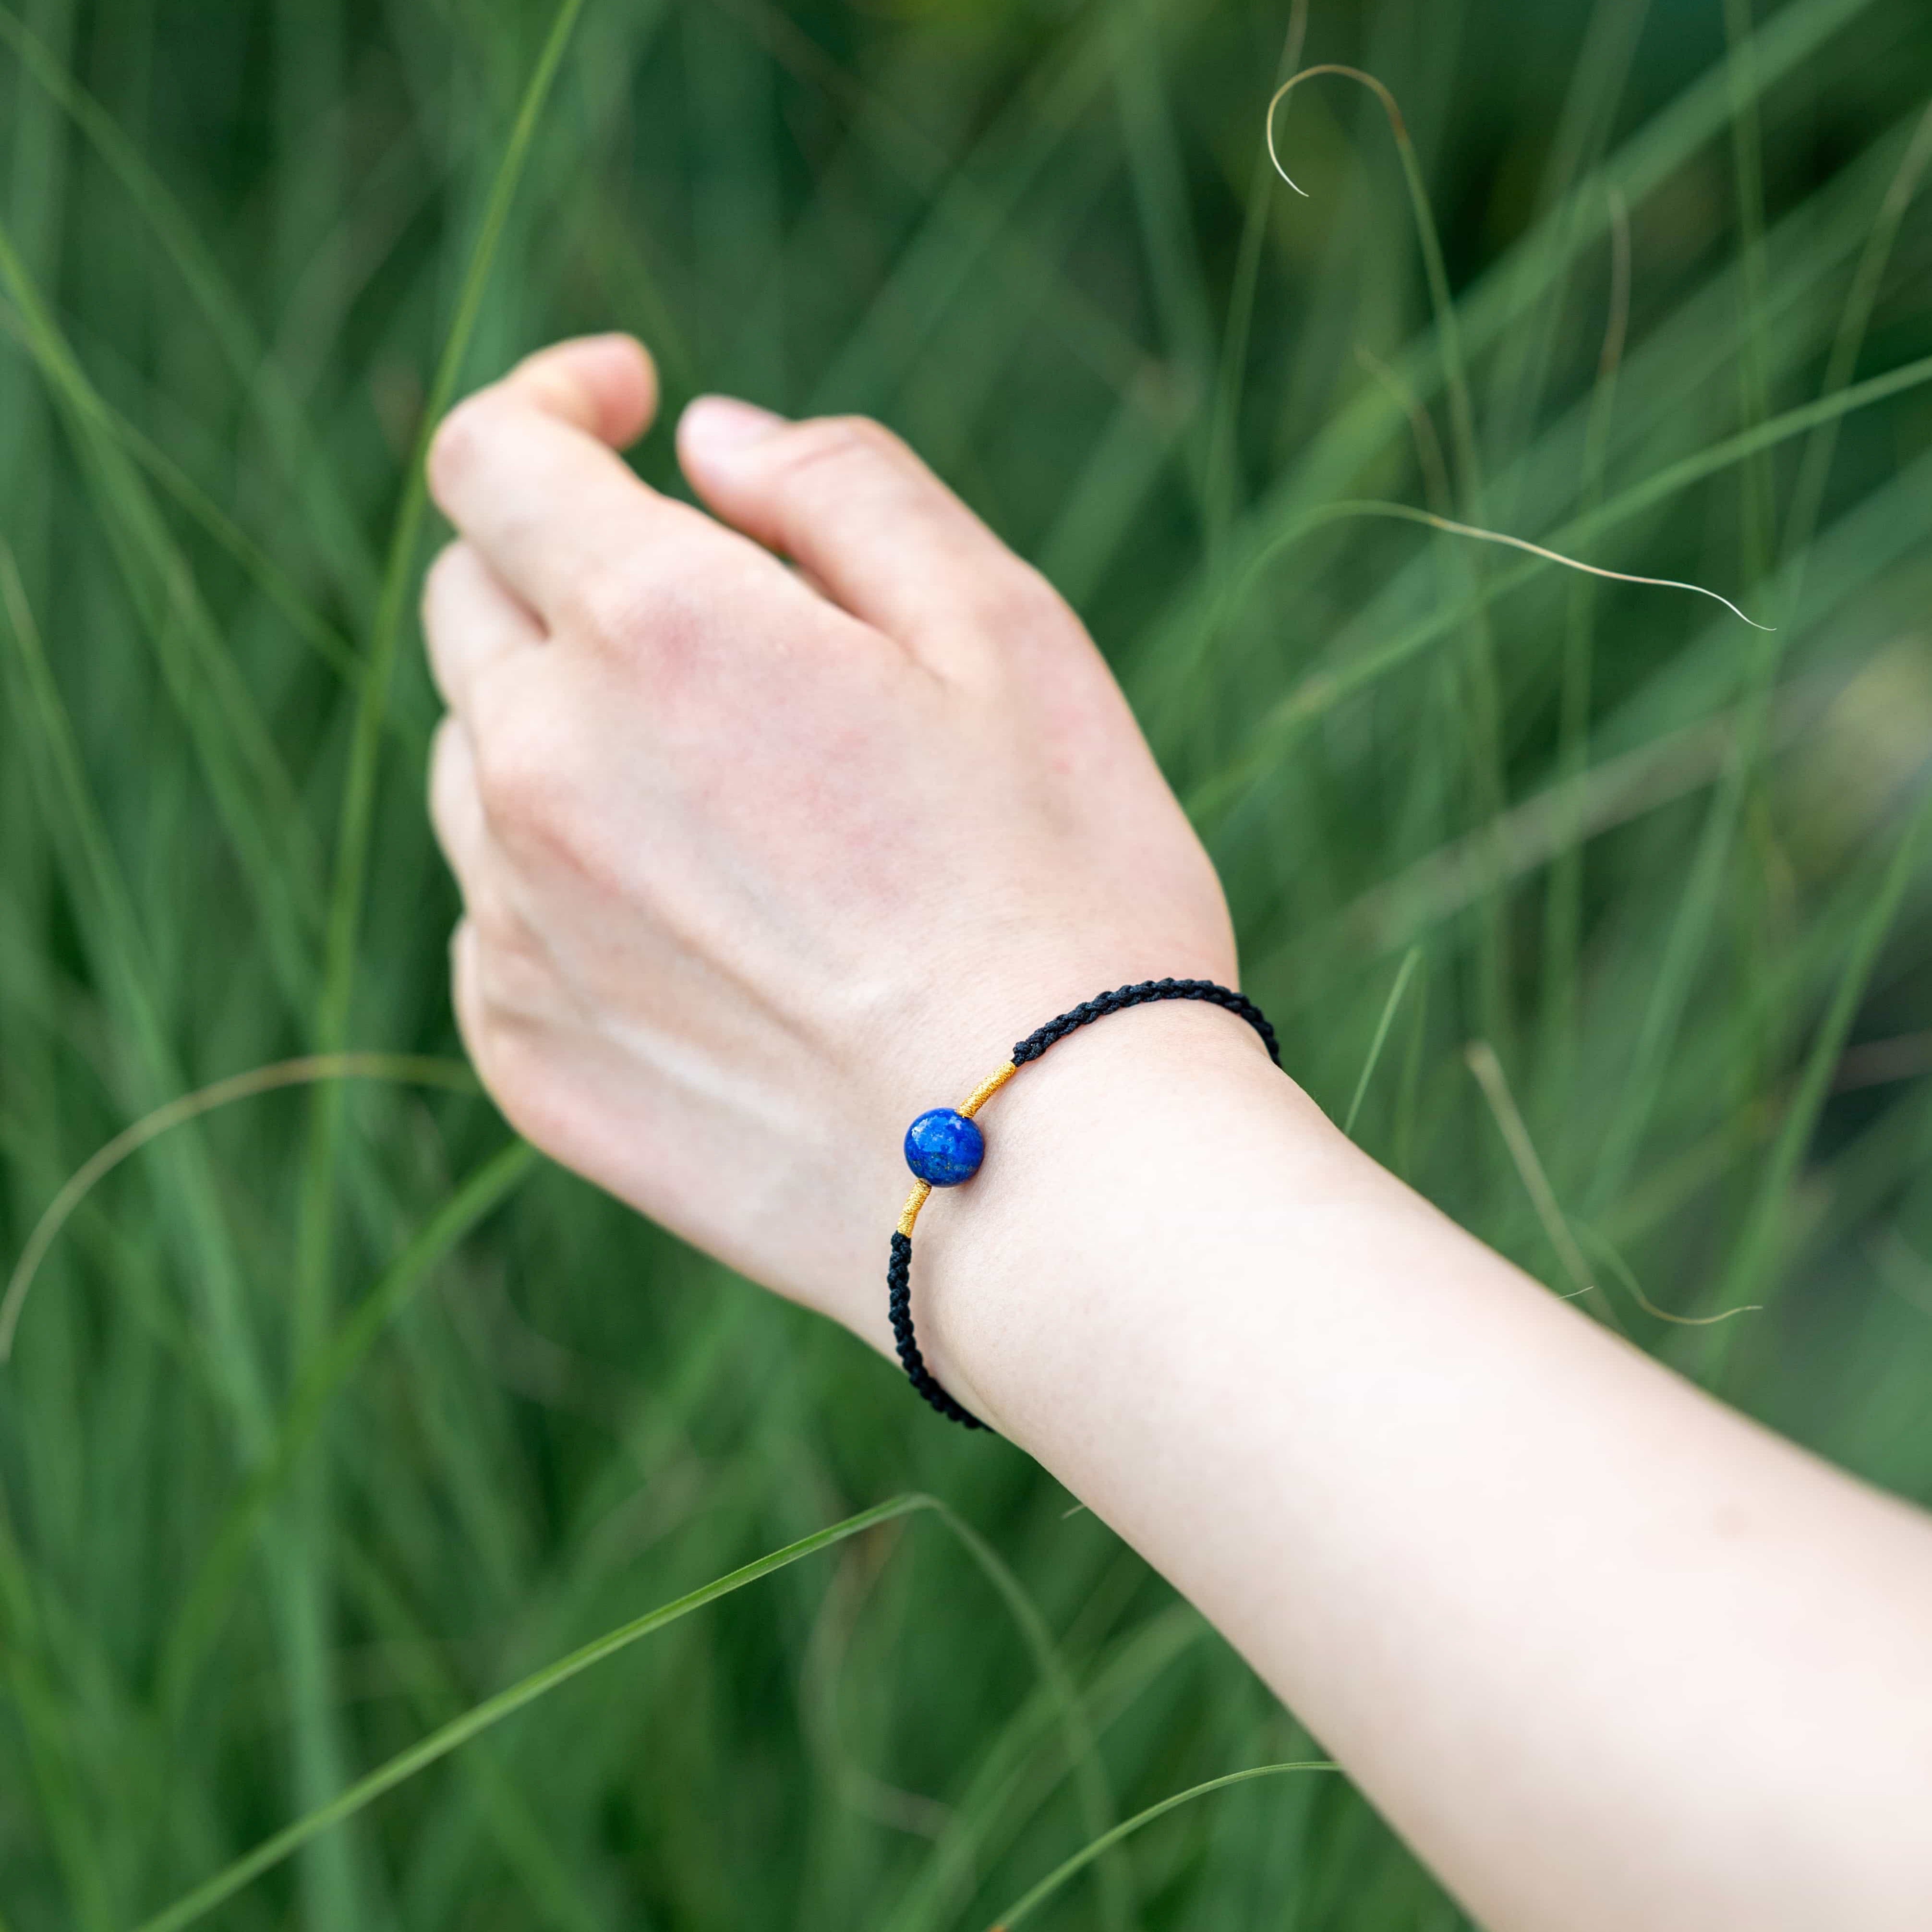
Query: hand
{"x": 759, "y": 861}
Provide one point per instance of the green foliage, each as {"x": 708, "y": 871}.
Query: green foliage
{"x": 331, "y": 1415}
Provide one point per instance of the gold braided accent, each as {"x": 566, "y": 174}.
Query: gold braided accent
{"x": 915, "y": 1201}
{"x": 986, "y": 1089}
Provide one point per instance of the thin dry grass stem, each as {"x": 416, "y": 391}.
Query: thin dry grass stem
{"x": 1429, "y": 457}
{"x": 1618, "y": 1267}
{"x": 1546, "y": 555}
{"x": 1294, "y": 81}
{"x": 1488, "y": 1069}
{"x": 1238, "y": 326}
{"x": 410, "y": 1069}
{"x": 1409, "y": 513}
{"x": 1442, "y": 305}
{"x": 1570, "y": 562}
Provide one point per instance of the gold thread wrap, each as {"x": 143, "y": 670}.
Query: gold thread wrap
{"x": 915, "y": 1201}
{"x": 986, "y": 1089}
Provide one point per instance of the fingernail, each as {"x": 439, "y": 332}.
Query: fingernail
{"x": 722, "y": 425}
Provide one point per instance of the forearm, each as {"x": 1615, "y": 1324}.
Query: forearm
{"x": 1605, "y": 1652}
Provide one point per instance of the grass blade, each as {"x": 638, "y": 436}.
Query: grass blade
{"x": 203, "y": 1899}
{"x": 1055, "y": 1878}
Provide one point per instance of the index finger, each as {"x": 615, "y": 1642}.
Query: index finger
{"x": 526, "y": 470}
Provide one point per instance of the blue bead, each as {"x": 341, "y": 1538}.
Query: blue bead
{"x": 944, "y": 1147}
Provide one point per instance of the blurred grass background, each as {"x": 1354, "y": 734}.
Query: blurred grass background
{"x": 328, "y": 1417}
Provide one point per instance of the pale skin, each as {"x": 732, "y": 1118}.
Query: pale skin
{"x": 778, "y": 824}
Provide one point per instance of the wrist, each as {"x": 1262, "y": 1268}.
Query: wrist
{"x": 1110, "y": 1162}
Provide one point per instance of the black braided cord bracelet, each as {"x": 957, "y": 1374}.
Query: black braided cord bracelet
{"x": 944, "y": 1146}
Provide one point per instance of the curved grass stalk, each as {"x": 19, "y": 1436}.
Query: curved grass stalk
{"x": 411, "y": 1070}
{"x": 119, "y": 950}
{"x": 1483, "y": 754}
{"x": 1322, "y": 690}
{"x": 1056, "y": 1686}
{"x": 1621, "y": 1269}
{"x": 1055, "y": 1878}
{"x": 1096, "y": 1800}
{"x": 1646, "y": 160}
{"x": 1428, "y": 446}
{"x": 195, "y": 1627}
{"x": 1483, "y": 1062}
{"x": 1462, "y": 411}
{"x": 1002, "y": 1795}
{"x": 1407, "y": 513}
{"x": 1223, "y": 466}
{"x": 512, "y": 1818}
{"x": 1651, "y": 156}
{"x": 203, "y": 1899}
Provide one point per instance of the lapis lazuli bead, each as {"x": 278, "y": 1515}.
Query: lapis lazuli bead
{"x": 943, "y": 1147}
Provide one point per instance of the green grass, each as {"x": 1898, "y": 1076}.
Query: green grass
{"x": 375, "y": 1495}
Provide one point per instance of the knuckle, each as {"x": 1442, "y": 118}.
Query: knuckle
{"x": 505, "y": 999}
{"x": 608, "y": 602}
{"x": 520, "y": 1080}
{"x": 667, "y": 618}
{"x": 524, "y": 764}
{"x": 439, "y": 579}
{"x": 519, "y": 985}
{"x": 513, "y": 1053}
{"x": 459, "y": 438}
{"x": 500, "y": 931}
{"x": 1019, "y": 599}
{"x": 445, "y": 777}
{"x": 493, "y": 1038}
{"x": 440, "y": 608}
{"x": 836, "y": 442}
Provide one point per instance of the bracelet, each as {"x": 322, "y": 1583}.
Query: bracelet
{"x": 944, "y": 1146}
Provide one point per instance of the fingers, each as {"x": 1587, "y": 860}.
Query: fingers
{"x": 466, "y": 991}
{"x": 525, "y": 468}
{"x": 606, "y": 386}
{"x": 470, "y": 622}
{"x": 848, "y": 502}
{"x": 456, "y": 806}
